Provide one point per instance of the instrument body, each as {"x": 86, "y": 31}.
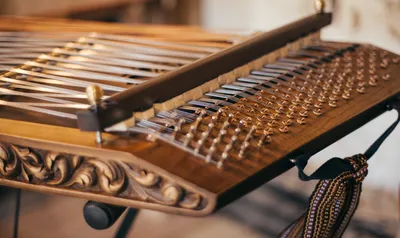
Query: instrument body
{"x": 139, "y": 167}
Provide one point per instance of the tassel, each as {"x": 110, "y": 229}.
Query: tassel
{"x": 337, "y": 194}
{"x": 332, "y": 203}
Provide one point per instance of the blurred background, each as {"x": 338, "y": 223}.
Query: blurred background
{"x": 266, "y": 211}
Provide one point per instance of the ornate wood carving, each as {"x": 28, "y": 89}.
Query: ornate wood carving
{"x": 115, "y": 178}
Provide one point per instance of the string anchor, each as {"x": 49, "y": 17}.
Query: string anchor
{"x": 94, "y": 95}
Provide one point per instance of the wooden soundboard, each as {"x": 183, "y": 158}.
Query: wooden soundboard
{"x": 278, "y": 95}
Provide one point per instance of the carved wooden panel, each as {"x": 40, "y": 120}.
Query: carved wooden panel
{"x": 91, "y": 175}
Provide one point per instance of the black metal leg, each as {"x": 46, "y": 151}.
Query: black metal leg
{"x": 17, "y": 210}
{"x": 127, "y": 223}
{"x": 101, "y": 216}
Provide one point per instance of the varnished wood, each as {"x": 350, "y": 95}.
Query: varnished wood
{"x": 217, "y": 186}
{"x": 161, "y": 32}
{"x": 184, "y": 168}
{"x": 144, "y": 96}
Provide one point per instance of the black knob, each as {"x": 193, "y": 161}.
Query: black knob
{"x": 101, "y": 216}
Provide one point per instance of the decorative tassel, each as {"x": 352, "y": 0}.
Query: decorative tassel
{"x": 337, "y": 194}
{"x": 332, "y": 203}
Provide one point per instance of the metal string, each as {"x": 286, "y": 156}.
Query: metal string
{"x": 54, "y": 68}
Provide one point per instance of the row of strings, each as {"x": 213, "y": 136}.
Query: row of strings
{"x": 48, "y": 72}
{"x": 235, "y": 121}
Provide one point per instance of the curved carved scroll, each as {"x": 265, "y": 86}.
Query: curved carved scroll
{"x": 75, "y": 172}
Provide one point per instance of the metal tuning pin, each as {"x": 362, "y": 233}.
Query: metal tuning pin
{"x": 200, "y": 142}
{"x": 212, "y": 149}
{"x": 216, "y": 116}
{"x": 386, "y": 77}
{"x": 317, "y": 112}
{"x": 229, "y": 146}
{"x": 189, "y": 135}
{"x": 301, "y": 120}
{"x": 265, "y": 138}
{"x": 246, "y": 142}
{"x": 239, "y": 127}
{"x": 332, "y": 103}
{"x": 194, "y": 128}
{"x": 177, "y": 127}
{"x": 199, "y": 119}
{"x": 225, "y": 155}
{"x": 284, "y": 129}
{"x": 220, "y": 136}
{"x": 204, "y": 136}
{"x": 94, "y": 95}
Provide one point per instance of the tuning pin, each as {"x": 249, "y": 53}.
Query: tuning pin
{"x": 272, "y": 123}
{"x": 225, "y": 155}
{"x": 301, "y": 120}
{"x": 373, "y": 82}
{"x": 265, "y": 138}
{"x": 189, "y": 135}
{"x": 317, "y": 112}
{"x": 243, "y": 148}
{"x": 287, "y": 122}
{"x": 333, "y": 97}
{"x": 332, "y": 103}
{"x": 360, "y": 77}
{"x": 318, "y": 105}
{"x": 215, "y": 118}
{"x": 274, "y": 116}
{"x": 290, "y": 115}
{"x": 227, "y": 149}
{"x": 308, "y": 100}
{"x": 296, "y": 101}
{"x": 292, "y": 108}
{"x": 204, "y": 136}
{"x": 350, "y": 84}
{"x": 326, "y": 86}
{"x": 346, "y": 95}
{"x": 250, "y": 133}
{"x": 372, "y": 70}
{"x": 211, "y": 151}
{"x": 386, "y": 77}
{"x": 230, "y": 118}
{"x": 94, "y": 95}
{"x": 199, "y": 119}
{"x": 307, "y": 106}
{"x": 284, "y": 129}
{"x": 303, "y": 113}
{"x": 336, "y": 91}
{"x": 361, "y": 89}
{"x": 177, "y": 127}
{"x": 200, "y": 142}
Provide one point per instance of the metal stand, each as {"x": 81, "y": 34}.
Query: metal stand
{"x": 17, "y": 210}
{"x": 127, "y": 223}
{"x": 101, "y": 216}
